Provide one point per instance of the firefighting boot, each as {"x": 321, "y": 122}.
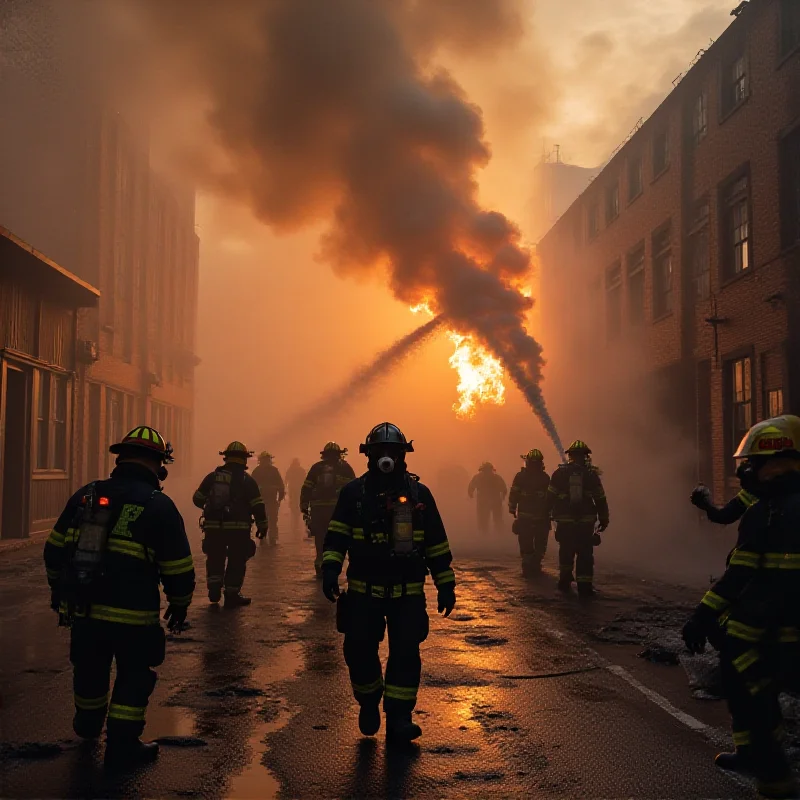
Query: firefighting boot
{"x": 565, "y": 581}
{"x": 369, "y": 718}
{"x": 774, "y": 778}
{"x": 586, "y": 589}
{"x": 126, "y": 752}
{"x": 741, "y": 761}
{"x": 234, "y": 599}
{"x": 400, "y": 729}
{"x": 531, "y": 567}
{"x": 88, "y": 726}
{"x": 215, "y": 593}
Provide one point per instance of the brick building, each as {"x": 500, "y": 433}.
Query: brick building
{"x": 39, "y": 302}
{"x": 688, "y": 241}
{"x": 87, "y": 194}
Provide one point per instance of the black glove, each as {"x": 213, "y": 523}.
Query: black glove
{"x": 701, "y": 497}
{"x": 447, "y": 599}
{"x": 55, "y": 600}
{"x": 602, "y": 526}
{"x": 597, "y": 540}
{"x": 330, "y": 584}
{"x": 694, "y": 635}
{"x": 261, "y": 533}
{"x": 176, "y": 617}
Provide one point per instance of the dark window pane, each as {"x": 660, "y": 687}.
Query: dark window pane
{"x": 43, "y": 422}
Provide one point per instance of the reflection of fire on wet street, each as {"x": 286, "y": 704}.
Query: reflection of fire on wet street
{"x": 256, "y": 703}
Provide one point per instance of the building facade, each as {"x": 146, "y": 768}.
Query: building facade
{"x": 688, "y": 241}
{"x": 39, "y": 384}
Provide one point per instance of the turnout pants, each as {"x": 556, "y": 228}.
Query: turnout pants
{"x": 533, "y": 535}
{"x": 487, "y": 511}
{"x": 273, "y": 507}
{"x": 576, "y": 551}
{"x": 363, "y": 620}
{"x": 320, "y": 519}
{"x": 136, "y": 649}
{"x": 227, "y": 554}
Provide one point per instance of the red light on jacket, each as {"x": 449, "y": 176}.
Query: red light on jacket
{"x": 103, "y": 501}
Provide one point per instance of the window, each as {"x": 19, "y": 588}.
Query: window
{"x": 660, "y": 152}
{"x": 735, "y": 84}
{"x": 636, "y": 285}
{"x": 592, "y": 221}
{"x": 740, "y": 377}
{"x": 614, "y": 301}
{"x": 790, "y": 26}
{"x": 115, "y": 415}
{"x": 775, "y": 402}
{"x": 737, "y": 256}
{"x": 662, "y": 272}
{"x": 700, "y": 118}
{"x": 790, "y": 189}
{"x": 51, "y": 422}
{"x": 698, "y": 251}
{"x": 635, "y": 178}
{"x": 612, "y": 203}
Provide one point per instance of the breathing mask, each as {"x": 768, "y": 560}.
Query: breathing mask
{"x": 386, "y": 464}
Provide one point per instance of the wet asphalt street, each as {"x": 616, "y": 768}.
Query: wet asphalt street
{"x": 517, "y": 700}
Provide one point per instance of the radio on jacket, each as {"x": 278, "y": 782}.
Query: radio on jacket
{"x": 402, "y": 526}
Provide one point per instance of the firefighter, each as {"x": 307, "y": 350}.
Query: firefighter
{"x": 230, "y": 500}
{"x": 269, "y": 481}
{"x": 319, "y": 494}
{"x": 752, "y": 613}
{"x": 577, "y": 503}
{"x": 492, "y": 490}
{"x": 388, "y": 525}
{"x": 115, "y": 541}
{"x": 527, "y": 502}
{"x": 295, "y": 476}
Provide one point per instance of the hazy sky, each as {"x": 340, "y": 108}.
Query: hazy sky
{"x": 581, "y": 76}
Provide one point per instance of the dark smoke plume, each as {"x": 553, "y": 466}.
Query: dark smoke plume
{"x": 359, "y": 382}
{"x": 334, "y": 110}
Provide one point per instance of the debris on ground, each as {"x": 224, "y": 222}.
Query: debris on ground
{"x": 235, "y": 690}
{"x": 660, "y": 655}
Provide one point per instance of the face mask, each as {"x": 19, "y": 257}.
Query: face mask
{"x": 748, "y": 478}
{"x": 162, "y": 473}
{"x": 386, "y": 464}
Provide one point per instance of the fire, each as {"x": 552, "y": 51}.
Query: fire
{"x": 480, "y": 374}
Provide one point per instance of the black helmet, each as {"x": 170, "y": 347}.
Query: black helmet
{"x": 386, "y": 433}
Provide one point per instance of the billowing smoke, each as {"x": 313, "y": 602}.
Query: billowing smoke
{"x": 359, "y": 383}
{"x": 337, "y": 112}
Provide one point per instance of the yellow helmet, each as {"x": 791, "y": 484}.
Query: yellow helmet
{"x": 533, "y": 455}
{"x": 265, "y": 455}
{"x": 770, "y": 437}
{"x": 144, "y": 438}
{"x": 236, "y": 451}
{"x": 579, "y": 446}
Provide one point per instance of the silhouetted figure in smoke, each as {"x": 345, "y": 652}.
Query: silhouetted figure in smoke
{"x": 491, "y": 490}
{"x": 293, "y": 481}
{"x": 528, "y": 503}
{"x": 577, "y": 502}
{"x": 269, "y": 480}
{"x": 387, "y": 524}
{"x": 321, "y": 491}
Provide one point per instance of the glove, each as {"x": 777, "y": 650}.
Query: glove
{"x": 694, "y": 635}
{"x": 261, "y": 533}
{"x": 597, "y": 540}
{"x": 330, "y": 584}
{"x": 602, "y": 526}
{"x": 55, "y": 601}
{"x": 512, "y": 511}
{"x": 447, "y": 600}
{"x": 176, "y": 617}
{"x": 701, "y": 497}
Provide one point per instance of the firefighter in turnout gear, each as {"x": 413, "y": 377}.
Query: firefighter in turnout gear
{"x": 269, "y": 481}
{"x": 492, "y": 490}
{"x": 319, "y": 494}
{"x": 230, "y": 500}
{"x": 577, "y": 503}
{"x": 527, "y": 502}
{"x": 733, "y": 511}
{"x": 295, "y": 476}
{"x": 115, "y": 541}
{"x": 388, "y": 525}
{"x": 752, "y": 614}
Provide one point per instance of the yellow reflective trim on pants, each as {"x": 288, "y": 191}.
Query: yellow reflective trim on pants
{"x": 437, "y": 550}
{"x": 339, "y": 527}
{"x": 447, "y": 576}
{"x": 183, "y": 600}
{"x": 125, "y": 616}
{"x": 714, "y": 601}
{"x": 127, "y": 713}
{"x": 55, "y": 538}
{"x": 781, "y": 561}
{"x": 584, "y": 578}
{"x": 177, "y": 567}
{"x": 91, "y": 703}
{"x": 741, "y": 738}
{"x": 759, "y": 686}
{"x": 744, "y": 632}
{"x": 380, "y": 591}
{"x": 332, "y": 557}
{"x": 401, "y": 692}
{"x": 745, "y": 558}
{"x": 368, "y": 688}
{"x": 746, "y": 660}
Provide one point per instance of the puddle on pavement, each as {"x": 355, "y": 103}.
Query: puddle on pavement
{"x": 256, "y": 782}
{"x": 298, "y": 616}
{"x": 170, "y": 721}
